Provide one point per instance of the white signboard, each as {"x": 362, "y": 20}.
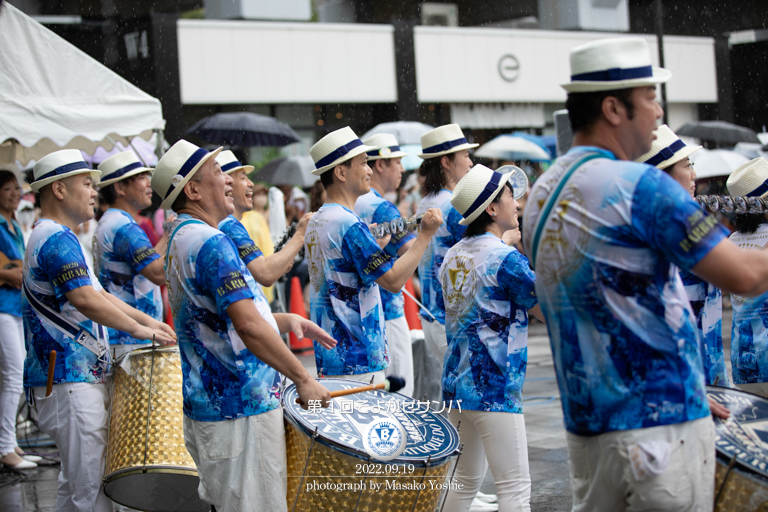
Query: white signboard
{"x": 231, "y": 62}
{"x": 455, "y": 65}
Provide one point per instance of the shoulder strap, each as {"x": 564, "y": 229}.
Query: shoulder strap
{"x": 552, "y": 199}
{"x": 170, "y": 238}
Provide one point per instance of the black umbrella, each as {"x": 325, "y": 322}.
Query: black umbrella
{"x": 718, "y": 131}
{"x": 244, "y": 129}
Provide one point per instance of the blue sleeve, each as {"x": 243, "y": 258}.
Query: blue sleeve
{"x": 517, "y": 277}
{"x": 456, "y": 229}
{"x": 387, "y": 212}
{"x": 63, "y": 262}
{"x": 670, "y": 221}
{"x": 360, "y": 248}
{"x": 219, "y": 273}
{"x": 245, "y": 246}
{"x": 132, "y": 245}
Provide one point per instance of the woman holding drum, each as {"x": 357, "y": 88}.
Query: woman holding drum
{"x": 488, "y": 290}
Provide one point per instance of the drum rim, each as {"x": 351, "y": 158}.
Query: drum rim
{"x": 155, "y": 468}
{"x": 331, "y": 443}
{"x": 158, "y": 348}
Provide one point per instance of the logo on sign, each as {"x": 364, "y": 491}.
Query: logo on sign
{"x": 509, "y": 67}
{"x": 384, "y": 439}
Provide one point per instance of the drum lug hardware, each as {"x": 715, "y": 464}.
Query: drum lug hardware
{"x": 725, "y": 480}
{"x": 365, "y": 477}
{"x": 455, "y": 465}
{"x": 418, "y": 494}
{"x": 315, "y": 435}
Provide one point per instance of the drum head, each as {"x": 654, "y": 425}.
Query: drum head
{"x": 745, "y": 433}
{"x": 342, "y": 425}
{"x": 157, "y": 491}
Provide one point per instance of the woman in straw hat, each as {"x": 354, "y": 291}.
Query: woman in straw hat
{"x": 488, "y": 290}
{"x": 749, "y": 335}
{"x": 445, "y": 151}
{"x": 670, "y": 154}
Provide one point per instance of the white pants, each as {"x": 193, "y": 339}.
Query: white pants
{"x": 603, "y": 480}
{"x": 12, "y": 353}
{"x": 378, "y": 377}
{"x": 75, "y": 416}
{"x": 242, "y": 463}
{"x": 400, "y": 353}
{"x": 499, "y": 437}
{"x": 436, "y": 340}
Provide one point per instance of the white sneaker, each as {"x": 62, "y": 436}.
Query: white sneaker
{"x": 24, "y": 464}
{"x": 487, "y": 498}
{"x": 481, "y": 506}
{"x": 32, "y": 458}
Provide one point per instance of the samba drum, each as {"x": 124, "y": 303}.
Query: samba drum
{"x": 741, "y": 478}
{"x": 148, "y": 466}
{"x": 329, "y": 470}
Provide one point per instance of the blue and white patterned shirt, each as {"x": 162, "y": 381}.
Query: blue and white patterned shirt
{"x": 707, "y": 304}
{"x": 54, "y": 264}
{"x": 372, "y": 208}
{"x": 749, "y": 331}
{"x": 121, "y": 250}
{"x": 222, "y": 378}
{"x": 234, "y": 229}
{"x": 344, "y": 262}
{"x": 622, "y": 330}
{"x": 448, "y": 234}
{"x": 488, "y": 289}
{"x": 12, "y": 245}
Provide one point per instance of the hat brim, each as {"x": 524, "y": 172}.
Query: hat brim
{"x": 168, "y": 201}
{"x": 396, "y": 154}
{"x": 246, "y": 168}
{"x": 682, "y": 153}
{"x": 352, "y": 154}
{"x": 461, "y": 147}
{"x": 37, "y": 185}
{"x": 134, "y": 172}
{"x": 474, "y": 215}
{"x": 660, "y": 75}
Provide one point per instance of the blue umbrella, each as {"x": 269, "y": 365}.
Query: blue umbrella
{"x": 243, "y": 129}
{"x": 412, "y": 161}
{"x": 548, "y": 142}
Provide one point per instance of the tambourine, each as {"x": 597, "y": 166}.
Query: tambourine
{"x": 518, "y": 179}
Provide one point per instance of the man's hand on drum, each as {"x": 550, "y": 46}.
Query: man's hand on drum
{"x": 310, "y": 389}
{"x": 718, "y": 410}
{"x": 159, "y": 333}
{"x": 304, "y": 328}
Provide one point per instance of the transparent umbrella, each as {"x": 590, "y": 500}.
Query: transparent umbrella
{"x": 406, "y": 132}
{"x": 511, "y": 147}
{"x": 710, "y": 163}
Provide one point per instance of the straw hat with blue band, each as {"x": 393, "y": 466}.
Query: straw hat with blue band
{"x": 666, "y": 149}
{"x": 475, "y": 191}
{"x": 229, "y": 163}
{"x": 176, "y": 168}
{"x": 444, "y": 140}
{"x": 612, "y": 64}
{"x": 750, "y": 180}
{"x": 386, "y": 147}
{"x": 119, "y": 167}
{"x": 59, "y": 165}
{"x": 336, "y": 148}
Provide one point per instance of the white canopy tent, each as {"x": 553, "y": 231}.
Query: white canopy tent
{"x": 54, "y": 96}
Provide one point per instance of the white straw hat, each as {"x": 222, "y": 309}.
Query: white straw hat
{"x": 119, "y": 167}
{"x": 386, "y": 147}
{"x": 475, "y": 191}
{"x": 751, "y": 179}
{"x": 667, "y": 149}
{"x": 609, "y": 64}
{"x": 229, "y": 163}
{"x": 444, "y": 140}
{"x": 335, "y": 148}
{"x": 59, "y": 165}
{"x": 176, "y": 168}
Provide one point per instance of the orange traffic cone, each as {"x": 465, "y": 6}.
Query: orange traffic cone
{"x": 297, "y": 307}
{"x": 411, "y": 309}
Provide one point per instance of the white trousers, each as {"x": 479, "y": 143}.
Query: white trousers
{"x": 242, "y": 463}
{"x": 499, "y": 437}
{"x": 435, "y": 338}
{"x": 75, "y": 416}
{"x": 400, "y": 353}
{"x": 603, "y": 480}
{"x": 12, "y": 353}
{"x": 378, "y": 377}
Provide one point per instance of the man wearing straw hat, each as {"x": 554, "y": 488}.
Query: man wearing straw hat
{"x": 347, "y": 266}
{"x": 64, "y": 308}
{"x": 125, "y": 262}
{"x": 604, "y": 235}
{"x": 229, "y": 342}
{"x": 264, "y": 269}
{"x": 372, "y": 208}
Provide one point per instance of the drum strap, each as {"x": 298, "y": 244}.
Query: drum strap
{"x": 552, "y": 199}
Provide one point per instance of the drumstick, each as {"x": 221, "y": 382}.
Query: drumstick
{"x": 393, "y": 384}
{"x": 51, "y": 368}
